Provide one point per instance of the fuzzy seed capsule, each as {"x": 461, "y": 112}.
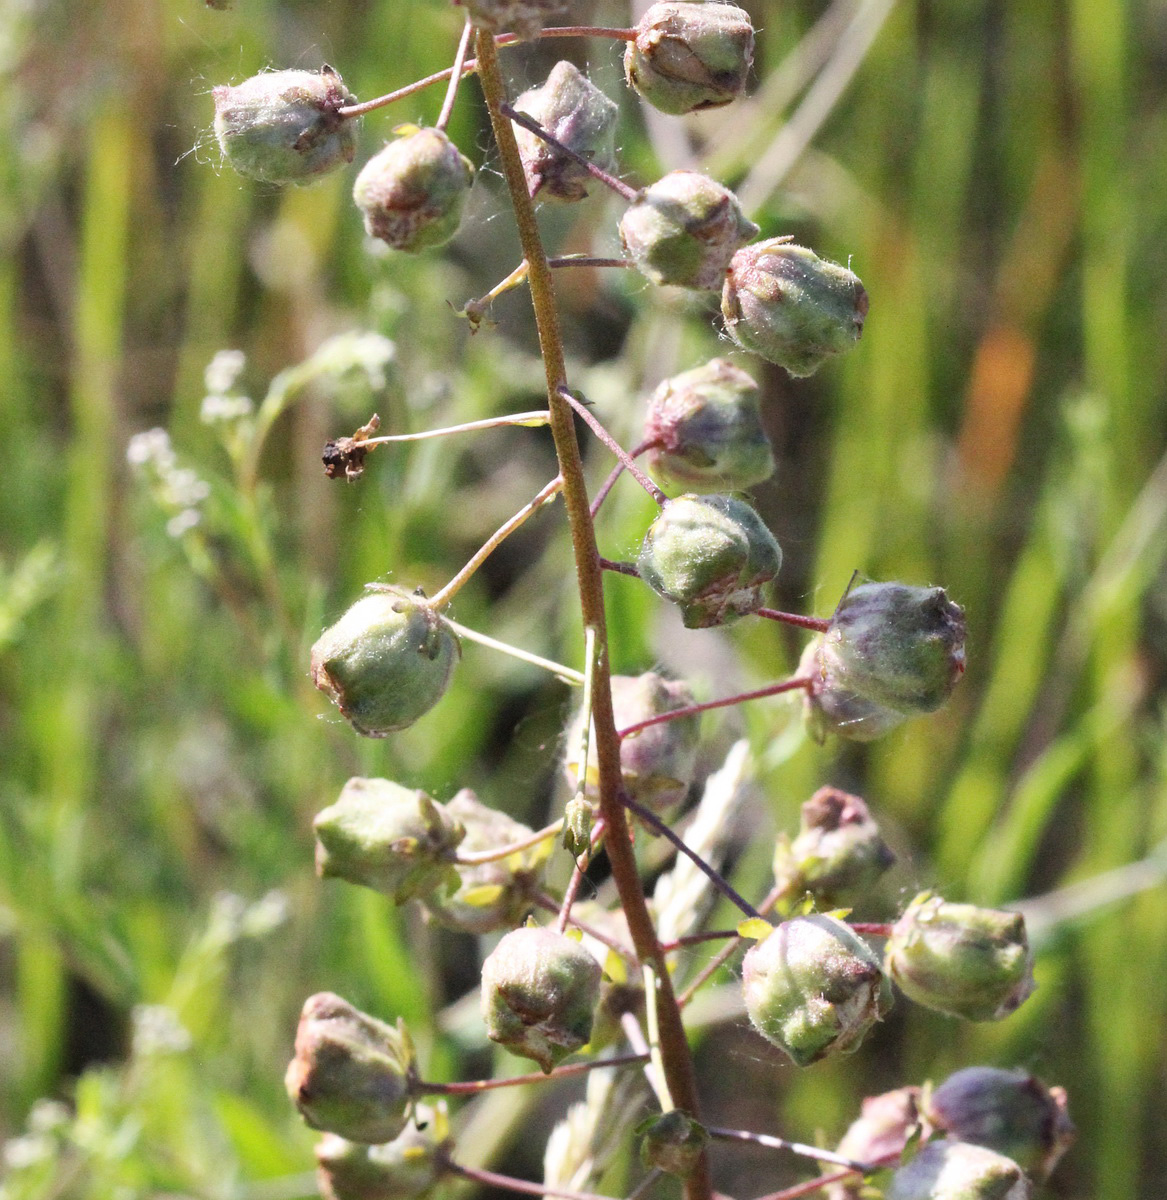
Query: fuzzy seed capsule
{"x": 390, "y": 838}
{"x": 1011, "y": 1112}
{"x": 575, "y": 112}
{"x": 412, "y": 192}
{"x": 684, "y": 229}
{"x": 493, "y": 895}
{"x": 814, "y": 988}
{"x": 386, "y": 662}
{"x": 407, "y": 1168}
{"x": 539, "y": 994}
{"x": 521, "y": 17}
{"x": 284, "y": 126}
{"x": 712, "y": 555}
{"x": 706, "y": 426}
{"x": 352, "y": 1075}
{"x": 950, "y": 1170}
{"x": 961, "y": 960}
{"x": 656, "y": 764}
{"x": 793, "y": 308}
{"x": 690, "y": 56}
{"x": 831, "y": 707}
{"x": 838, "y": 855}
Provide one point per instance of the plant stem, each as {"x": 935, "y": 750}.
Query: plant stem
{"x": 455, "y": 77}
{"x": 620, "y": 568}
{"x": 526, "y": 420}
{"x": 777, "y": 1143}
{"x": 610, "y": 181}
{"x": 678, "y": 1062}
{"x": 819, "y": 624}
{"x": 868, "y": 929}
{"x": 719, "y": 882}
{"x": 469, "y": 1087}
{"x": 567, "y": 674}
{"x": 618, "y": 470}
{"x": 775, "y": 689}
{"x": 587, "y": 260}
{"x": 813, "y": 1185}
{"x": 695, "y": 939}
{"x": 476, "y": 858}
{"x": 551, "y": 905}
{"x": 511, "y": 1184}
{"x": 441, "y": 599}
{"x": 594, "y": 425}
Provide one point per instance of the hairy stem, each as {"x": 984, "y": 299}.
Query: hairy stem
{"x": 675, "y": 714}
{"x": 473, "y": 1086}
{"x": 819, "y": 624}
{"x": 629, "y": 465}
{"x": 617, "y": 471}
{"x": 678, "y": 1062}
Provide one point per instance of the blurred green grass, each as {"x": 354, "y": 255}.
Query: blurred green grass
{"x": 993, "y": 172}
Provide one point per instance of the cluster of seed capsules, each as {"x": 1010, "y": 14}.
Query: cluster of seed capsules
{"x": 812, "y": 985}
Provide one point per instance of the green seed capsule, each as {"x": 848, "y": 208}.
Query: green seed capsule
{"x": 684, "y": 229}
{"x": 284, "y": 126}
{"x": 712, "y": 555}
{"x": 793, "y": 308}
{"x": 950, "y": 1170}
{"x": 706, "y": 426}
{"x": 386, "y": 662}
{"x": 690, "y": 56}
{"x": 352, "y": 1075}
{"x": 672, "y": 1142}
{"x": 412, "y": 192}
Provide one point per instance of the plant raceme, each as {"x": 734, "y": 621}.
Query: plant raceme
{"x": 814, "y": 984}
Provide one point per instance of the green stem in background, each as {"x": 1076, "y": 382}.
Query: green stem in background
{"x": 676, "y": 1060}
{"x": 441, "y": 599}
{"x": 625, "y": 458}
{"x": 525, "y": 420}
{"x": 471, "y": 65}
{"x": 674, "y": 714}
{"x": 567, "y": 674}
{"x": 456, "y": 72}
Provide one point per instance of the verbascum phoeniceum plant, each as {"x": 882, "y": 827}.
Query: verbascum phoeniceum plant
{"x": 569, "y": 984}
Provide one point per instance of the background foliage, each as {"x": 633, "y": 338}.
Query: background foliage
{"x": 994, "y": 172}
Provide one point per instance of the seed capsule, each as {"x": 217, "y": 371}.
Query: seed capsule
{"x": 883, "y": 1128}
{"x": 407, "y": 1168}
{"x": 672, "y": 1142}
{"x": 707, "y": 428}
{"x": 684, "y": 229}
{"x": 814, "y": 988}
{"x": 656, "y": 764}
{"x": 1011, "y": 1112}
{"x": 539, "y": 994}
{"x": 793, "y": 308}
{"x": 386, "y": 662}
{"x": 831, "y": 707}
{"x": 949, "y": 1170}
{"x": 838, "y": 855}
{"x": 712, "y": 555}
{"x": 493, "y": 895}
{"x": 959, "y": 959}
{"x": 393, "y": 839}
{"x": 413, "y": 191}
{"x": 284, "y": 126}
{"x": 575, "y": 112}
{"x": 690, "y": 56}
{"x": 352, "y": 1074}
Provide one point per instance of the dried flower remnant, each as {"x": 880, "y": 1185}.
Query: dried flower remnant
{"x": 352, "y": 1074}
{"x": 285, "y": 126}
{"x": 412, "y": 192}
{"x": 687, "y": 56}
{"x": 684, "y": 230}
{"x": 576, "y": 113}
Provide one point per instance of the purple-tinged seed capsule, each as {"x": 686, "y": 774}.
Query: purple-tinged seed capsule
{"x": 684, "y": 229}
{"x": 407, "y": 1168}
{"x": 831, "y": 707}
{"x": 575, "y": 112}
{"x": 656, "y": 764}
{"x": 492, "y": 895}
{"x": 412, "y": 192}
{"x": 793, "y": 308}
{"x": 950, "y": 1170}
{"x": 352, "y": 1074}
{"x": 883, "y": 1127}
{"x": 687, "y": 56}
{"x": 814, "y": 988}
{"x": 705, "y": 426}
{"x": 838, "y": 855}
{"x": 393, "y": 839}
{"x": 959, "y": 959}
{"x": 524, "y": 18}
{"x": 386, "y": 662}
{"x": 285, "y": 126}
{"x": 712, "y": 555}
{"x": 1011, "y": 1112}
{"x": 540, "y": 989}
{"x": 672, "y": 1142}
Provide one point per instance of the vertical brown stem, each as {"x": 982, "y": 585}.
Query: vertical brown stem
{"x": 674, "y": 1047}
